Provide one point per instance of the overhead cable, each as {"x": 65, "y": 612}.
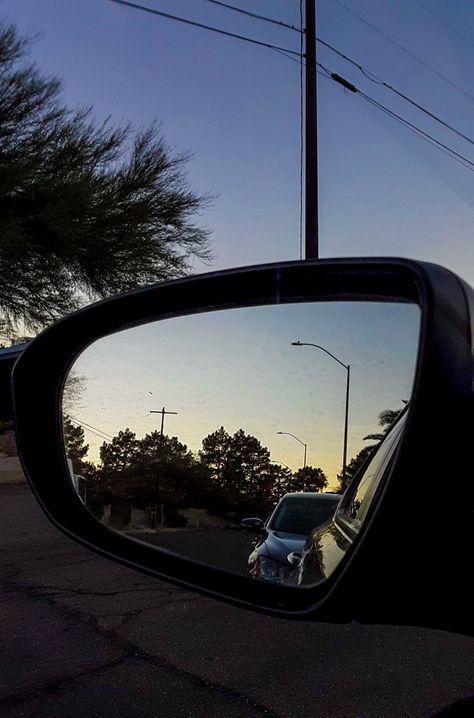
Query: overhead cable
{"x": 464, "y": 161}
{"x": 404, "y": 49}
{"x": 467, "y": 163}
{"x": 445, "y": 22}
{"x": 298, "y": 56}
{"x": 89, "y": 427}
{"x": 254, "y": 15}
{"x": 377, "y": 80}
{"x": 200, "y": 25}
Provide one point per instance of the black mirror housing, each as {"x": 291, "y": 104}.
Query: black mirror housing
{"x": 254, "y": 525}
{"x": 411, "y": 565}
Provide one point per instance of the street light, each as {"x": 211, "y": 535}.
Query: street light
{"x": 347, "y": 367}
{"x": 301, "y": 442}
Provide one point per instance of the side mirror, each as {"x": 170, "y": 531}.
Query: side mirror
{"x": 253, "y": 524}
{"x": 208, "y": 398}
{"x": 294, "y": 559}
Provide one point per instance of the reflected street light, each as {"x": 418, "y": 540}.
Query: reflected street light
{"x": 301, "y": 442}
{"x": 347, "y": 367}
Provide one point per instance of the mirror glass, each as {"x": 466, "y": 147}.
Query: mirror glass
{"x": 229, "y": 436}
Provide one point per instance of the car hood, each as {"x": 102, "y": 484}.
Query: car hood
{"x": 278, "y": 545}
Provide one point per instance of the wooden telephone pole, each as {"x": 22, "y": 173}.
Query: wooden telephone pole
{"x": 158, "y": 504}
{"x": 311, "y": 136}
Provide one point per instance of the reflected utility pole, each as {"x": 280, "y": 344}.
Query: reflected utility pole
{"x": 160, "y": 459}
{"x": 311, "y": 136}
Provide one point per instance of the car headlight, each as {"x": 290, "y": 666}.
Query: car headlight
{"x": 271, "y": 570}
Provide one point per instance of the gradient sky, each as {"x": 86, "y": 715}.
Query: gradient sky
{"x": 235, "y": 106}
{"x": 236, "y": 368}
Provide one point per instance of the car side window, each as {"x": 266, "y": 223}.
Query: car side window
{"x": 355, "y": 510}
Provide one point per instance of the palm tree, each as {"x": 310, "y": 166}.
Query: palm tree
{"x": 387, "y": 417}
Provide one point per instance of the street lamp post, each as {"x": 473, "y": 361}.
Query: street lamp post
{"x": 301, "y": 442}
{"x": 347, "y": 367}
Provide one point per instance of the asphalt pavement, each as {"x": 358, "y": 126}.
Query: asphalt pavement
{"x": 228, "y": 548}
{"x": 82, "y": 636}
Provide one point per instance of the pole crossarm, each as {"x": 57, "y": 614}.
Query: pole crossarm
{"x": 162, "y": 412}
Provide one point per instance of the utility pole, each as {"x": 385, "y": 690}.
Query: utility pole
{"x": 157, "y": 480}
{"x": 311, "y": 136}
{"x": 162, "y": 412}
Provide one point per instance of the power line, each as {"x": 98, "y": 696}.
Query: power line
{"x": 94, "y": 429}
{"x": 373, "y": 78}
{"x": 90, "y": 430}
{"x": 404, "y": 49}
{"x": 425, "y": 135}
{"x": 288, "y": 57}
{"x": 200, "y": 25}
{"x": 291, "y": 56}
{"x": 464, "y": 161}
{"x": 87, "y": 427}
{"x": 369, "y": 75}
{"x": 254, "y": 15}
{"x": 445, "y": 22}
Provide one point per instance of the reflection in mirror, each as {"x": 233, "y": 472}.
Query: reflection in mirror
{"x": 228, "y": 437}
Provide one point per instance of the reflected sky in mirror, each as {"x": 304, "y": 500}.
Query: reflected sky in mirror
{"x": 237, "y": 368}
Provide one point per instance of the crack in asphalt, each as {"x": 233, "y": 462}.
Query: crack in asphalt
{"x": 178, "y": 594}
{"x": 56, "y": 686}
{"x": 130, "y": 650}
{"x": 52, "y": 590}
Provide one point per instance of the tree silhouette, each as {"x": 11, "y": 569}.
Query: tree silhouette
{"x": 386, "y": 419}
{"x": 87, "y": 209}
{"x": 248, "y": 463}
{"x": 122, "y": 454}
{"x": 215, "y": 453}
{"x": 74, "y": 444}
{"x": 244, "y": 477}
{"x": 353, "y": 467}
{"x": 308, "y": 479}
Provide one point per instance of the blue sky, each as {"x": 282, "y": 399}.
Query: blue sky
{"x": 236, "y": 107}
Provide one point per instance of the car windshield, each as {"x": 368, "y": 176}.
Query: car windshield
{"x": 302, "y": 515}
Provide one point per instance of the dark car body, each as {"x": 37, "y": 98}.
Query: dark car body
{"x": 326, "y": 545}
{"x": 286, "y": 531}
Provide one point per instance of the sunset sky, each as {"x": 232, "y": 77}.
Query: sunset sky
{"x": 236, "y": 368}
